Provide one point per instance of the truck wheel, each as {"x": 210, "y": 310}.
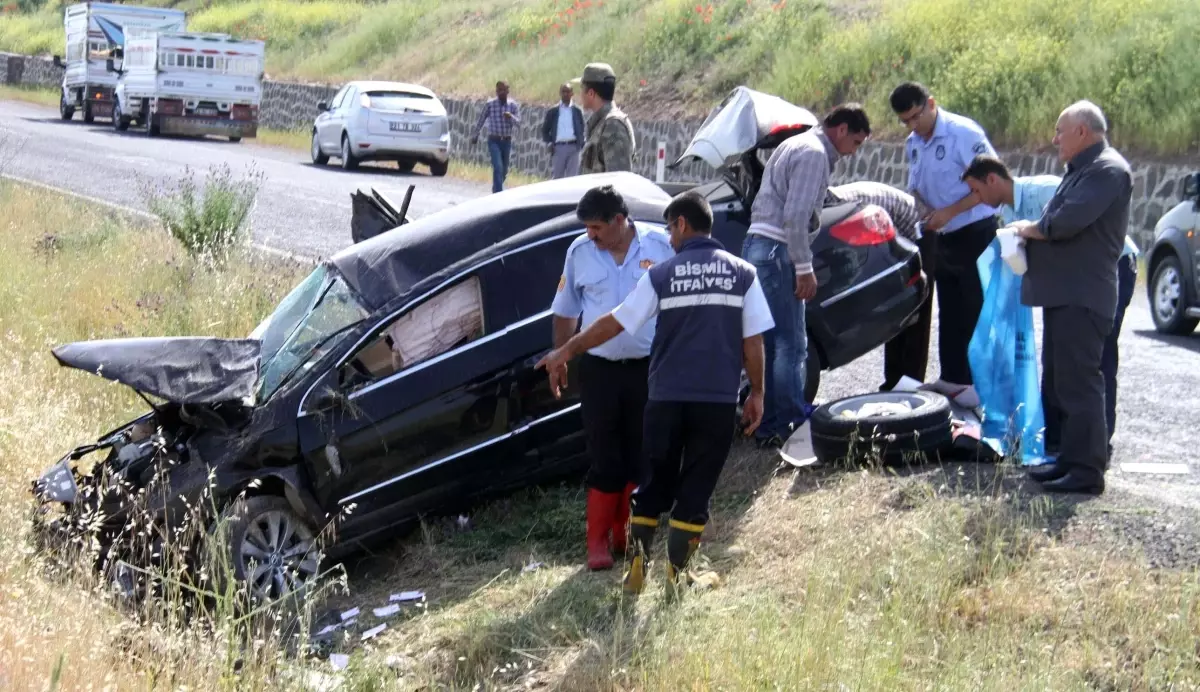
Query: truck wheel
{"x": 405, "y": 166}
{"x": 439, "y": 170}
{"x": 348, "y": 161}
{"x": 88, "y": 116}
{"x": 235, "y": 140}
{"x": 66, "y": 111}
{"x": 119, "y": 121}
{"x": 152, "y": 129}
{"x": 319, "y": 158}
{"x": 1169, "y": 299}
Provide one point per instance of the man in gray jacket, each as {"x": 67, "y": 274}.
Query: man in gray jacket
{"x": 1072, "y": 254}
{"x": 784, "y": 216}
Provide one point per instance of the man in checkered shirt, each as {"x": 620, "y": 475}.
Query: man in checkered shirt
{"x": 908, "y": 352}
{"x": 502, "y": 118}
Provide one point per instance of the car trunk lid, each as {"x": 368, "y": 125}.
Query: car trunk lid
{"x": 401, "y": 113}
{"x": 747, "y": 120}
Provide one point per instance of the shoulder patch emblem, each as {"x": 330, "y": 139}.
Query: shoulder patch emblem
{"x": 562, "y": 282}
{"x": 646, "y": 264}
{"x": 914, "y": 155}
{"x": 979, "y": 148}
{"x": 940, "y": 152}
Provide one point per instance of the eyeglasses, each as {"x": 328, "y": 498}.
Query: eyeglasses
{"x": 913, "y": 118}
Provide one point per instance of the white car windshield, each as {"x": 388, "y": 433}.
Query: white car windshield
{"x": 304, "y": 327}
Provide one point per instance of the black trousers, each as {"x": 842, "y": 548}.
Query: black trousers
{"x": 1126, "y": 281}
{"x": 686, "y": 445}
{"x": 907, "y": 353}
{"x": 1073, "y": 388}
{"x": 613, "y": 399}
{"x": 959, "y": 294}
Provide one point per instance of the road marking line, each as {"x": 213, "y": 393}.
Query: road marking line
{"x": 1151, "y": 467}
{"x": 145, "y": 214}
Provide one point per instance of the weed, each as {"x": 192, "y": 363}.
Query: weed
{"x": 211, "y": 223}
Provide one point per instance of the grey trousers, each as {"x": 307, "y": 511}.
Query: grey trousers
{"x": 566, "y": 160}
{"x": 1073, "y": 388}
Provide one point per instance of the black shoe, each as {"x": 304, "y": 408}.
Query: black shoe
{"x": 772, "y": 442}
{"x": 1047, "y": 472}
{"x": 1075, "y": 483}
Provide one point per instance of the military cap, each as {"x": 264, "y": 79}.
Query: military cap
{"x": 597, "y": 72}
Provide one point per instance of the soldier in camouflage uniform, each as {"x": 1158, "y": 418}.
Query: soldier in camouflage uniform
{"x": 610, "y": 139}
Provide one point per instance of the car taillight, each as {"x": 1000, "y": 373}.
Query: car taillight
{"x": 170, "y": 107}
{"x": 871, "y": 226}
{"x": 243, "y": 112}
{"x": 365, "y": 100}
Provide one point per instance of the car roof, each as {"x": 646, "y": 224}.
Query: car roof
{"x": 399, "y": 262}
{"x": 371, "y": 85}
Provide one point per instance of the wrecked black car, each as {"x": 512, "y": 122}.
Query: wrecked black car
{"x": 398, "y": 378}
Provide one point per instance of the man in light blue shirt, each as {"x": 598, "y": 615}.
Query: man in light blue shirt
{"x": 1023, "y": 198}
{"x": 602, "y": 268}
{"x": 939, "y": 148}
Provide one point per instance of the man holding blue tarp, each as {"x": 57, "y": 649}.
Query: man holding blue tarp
{"x": 1024, "y": 198}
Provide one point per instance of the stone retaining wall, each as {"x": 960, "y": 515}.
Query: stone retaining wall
{"x": 289, "y": 105}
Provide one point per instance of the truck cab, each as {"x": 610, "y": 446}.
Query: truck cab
{"x": 189, "y": 83}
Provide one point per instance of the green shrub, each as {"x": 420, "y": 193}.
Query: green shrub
{"x": 212, "y": 223}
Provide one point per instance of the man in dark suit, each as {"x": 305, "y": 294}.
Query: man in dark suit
{"x": 563, "y": 131}
{"x": 1072, "y": 254}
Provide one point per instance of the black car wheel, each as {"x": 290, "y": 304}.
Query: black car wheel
{"x": 349, "y": 163}
{"x": 270, "y": 548}
{"x": 318, "y": 157}
{"x": 88, "y": 115}
{"x": 439, "y": 170}
{"x": 66, "y": 111}
{"x": 889, "y": 425}
{"x": 405, "y": 166}
{"x": 1169, "y": 299}
{"x": 119, "y": 120}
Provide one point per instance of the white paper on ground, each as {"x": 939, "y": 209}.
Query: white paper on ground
{"x": 353, "y": 612}
{"x": 386, "y": 611}
{"x": 533, "y": 567}
{"x": 798, "y": 450}
{"x": 327, "y": 629}
{"x": 907, "y": 384}
{"x": 370, "y": 634}
{"x": 1147, "y": 467}
{"x": 407, "y": 596}
{"x": 339, "y": 661}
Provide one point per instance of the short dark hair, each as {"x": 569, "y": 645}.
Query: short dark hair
{"x": 909, "y": 95}
{"x": 605, "y": 90}
{"x": 601, "y": 204}
{"x": 851, "y": 114}
{"x": 984, "y": 165}
{"x": 692, "y": 206}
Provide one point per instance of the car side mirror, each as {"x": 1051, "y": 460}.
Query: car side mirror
{"x": 58, "y": 61}
{"x": 322, "y": 106}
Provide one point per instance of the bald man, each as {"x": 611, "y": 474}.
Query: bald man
{"x": 1072, "y": 253}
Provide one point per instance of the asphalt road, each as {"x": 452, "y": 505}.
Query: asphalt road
{"x": 301, "y": 208}
{"x": 305, "y": 210}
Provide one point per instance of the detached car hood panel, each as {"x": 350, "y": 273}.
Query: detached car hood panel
{"x": 742, "y": 122}
{"x": 184, "y": 370}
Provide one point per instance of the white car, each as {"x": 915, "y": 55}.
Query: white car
{"x": 383, "y": 121}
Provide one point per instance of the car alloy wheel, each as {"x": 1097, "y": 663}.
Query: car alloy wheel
{"x": 1167, "y": 293}
{"x": 318, "y": 157}
{"x": 274, "y": 551}
{"x": 1169, "y": 299}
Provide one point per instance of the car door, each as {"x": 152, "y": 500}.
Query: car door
{"x": 414, "y": 438}
{"x": 549, "y": 430}
{"x": 329, "y": 123}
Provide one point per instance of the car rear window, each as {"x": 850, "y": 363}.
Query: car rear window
{"x": 399, "y": 100}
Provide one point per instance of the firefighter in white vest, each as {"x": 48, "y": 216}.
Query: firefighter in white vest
{"x": 711, "y": 314}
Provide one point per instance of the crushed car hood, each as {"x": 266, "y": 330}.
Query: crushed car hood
{"x": 741, "y": 123}
{"x": 184, "y": 370}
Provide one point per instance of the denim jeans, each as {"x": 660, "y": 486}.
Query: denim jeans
{"x": 499, "y": 150}
{"x": 787, "y": 344}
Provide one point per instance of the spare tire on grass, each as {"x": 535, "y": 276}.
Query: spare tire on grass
{"x": 892, "y": 426}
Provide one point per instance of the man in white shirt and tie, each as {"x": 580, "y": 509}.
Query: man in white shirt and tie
{"x": 562, "y": 130}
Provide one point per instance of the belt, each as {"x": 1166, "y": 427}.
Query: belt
{"x": 620, "y": 361}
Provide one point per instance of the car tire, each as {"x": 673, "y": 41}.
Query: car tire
{"x": 349, "y": 163}
{"x": 88, "y": 115}
{"x": 66, "y": 111}
{"x": 265, "y": 546}
{"x": 439, "y": 169}
{"x": 842, "y": 430}
{"x": 319, "y": 158}
{"x": 119, "y": 121}
{"x": 1169, "y": 299}
{"x": 235, "y": 140}
{"x": 405, "y": 166}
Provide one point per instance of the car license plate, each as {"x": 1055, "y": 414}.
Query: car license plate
{"x": 404, "y": 127}
{"x": 206, "y": 111}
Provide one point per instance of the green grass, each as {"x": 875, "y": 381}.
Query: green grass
{"x": 949, "y": 579}
{"x": 1013, "y": 66}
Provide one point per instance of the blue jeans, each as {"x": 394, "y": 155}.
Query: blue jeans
{"x": 499, "y": 150}
{"x": 787, "y": 344}
{"x": 1126, "y": 278}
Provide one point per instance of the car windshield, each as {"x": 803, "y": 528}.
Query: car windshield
{"x": 399, "y": 100}
{"x": 303, "y": 327}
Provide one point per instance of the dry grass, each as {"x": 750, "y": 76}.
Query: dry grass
{"x": 950, "y": 579}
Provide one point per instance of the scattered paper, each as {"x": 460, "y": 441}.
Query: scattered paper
{"x": 353, "y": 612}
{"x": 406, "y": 596}
{"x": 533, "y": 567}
{"x": 386, "y": 611}
{"x": 370, "y": 634}
{"x": 798, "y": 450}
{"x": 339, "y": 661}
{"x": 1147, "y": 467}
{"x": 907, "y": 384}
{"x": 327, "y": 629}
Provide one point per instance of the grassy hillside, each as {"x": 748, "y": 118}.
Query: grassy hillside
{"x": 1011, "y": 65}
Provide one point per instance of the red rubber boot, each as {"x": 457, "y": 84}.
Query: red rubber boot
{"x": 600, "y": 510}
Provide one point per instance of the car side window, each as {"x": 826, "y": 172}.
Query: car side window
{"x": 348, "y": 100}
{"x": 341, "y": 96}
{"x": 446, "y": 321}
